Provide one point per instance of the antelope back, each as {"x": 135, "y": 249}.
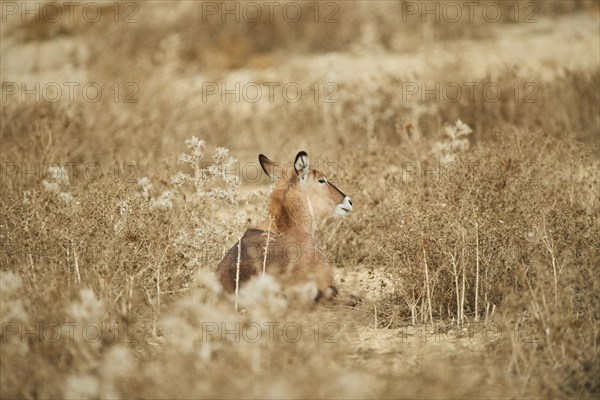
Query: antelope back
{"x": 288, "y": 255}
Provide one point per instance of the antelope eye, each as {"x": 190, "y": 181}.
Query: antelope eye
{"x": 322, "y": 180}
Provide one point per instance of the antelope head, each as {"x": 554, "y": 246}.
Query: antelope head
{"x": 303, "y": 198}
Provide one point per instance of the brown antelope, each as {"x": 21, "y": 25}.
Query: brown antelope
{"x": 285, "y": 244}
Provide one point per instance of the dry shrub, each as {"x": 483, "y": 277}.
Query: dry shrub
{"x": 122, "y": 246}
{"x": 508, "y": 226}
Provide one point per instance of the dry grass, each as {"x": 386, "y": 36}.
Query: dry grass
{"x": 474, "y": 244}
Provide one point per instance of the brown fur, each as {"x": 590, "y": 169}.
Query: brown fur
{"x": 298, "y": 206}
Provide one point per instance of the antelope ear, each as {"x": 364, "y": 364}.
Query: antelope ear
{"x": 302, "y": 164}
{"x": 271, "y": 168}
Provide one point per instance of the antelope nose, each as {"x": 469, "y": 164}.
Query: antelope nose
{"x": 347, "y": 204}
{"x": 344, "y": 207}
